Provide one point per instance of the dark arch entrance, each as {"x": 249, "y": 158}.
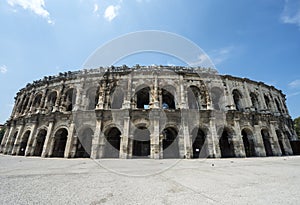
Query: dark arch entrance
{"x": 112, "y": 145}
{"x": 23, "y": 143}
{"x": 226, "y": 144}
{"x": 168, "y": 101}
{"x": 141, "y": 143}
{"x": 60, "y": 141}
{"x": 267, "y": 144}
{"x": 248, "y": 143}
{"x": 143, "y": 98}
{"x": 170, "y": 143}
{"x": 40, "y": 140}
{"x": 198, "y": 137}
{"x": 84, "y": 144}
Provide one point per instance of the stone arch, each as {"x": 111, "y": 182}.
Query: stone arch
{"x": 69, "y": 100}
{"x": 84, "y": 143}
{"x": 237, "y": 99}
{"x": 168, "y": 97}
{"x": 268, "y": 102}
{"x": 92, "y": 95}
{"x": 198, "y": 143}
{"x": 226, "y": 142}
{"x": 25, "y": 104}
{"x": 60, "y": 141}
{"x": 194, "y": 97}
{"x": 142, "y": 97}
{"x": 248, "y": 141}
{"x": 281, "y": 141}
{"x": 170, "y": 143}
{"x": 216, "y": 97}
{"x": 278, "y": 107}
{"x": 267, "y": 141}
{"x": 117, "y": 98}
{"x": 24, "y": 142}
{"x": 51, "y": 100}
{"x": 141, "y": 142}
{"x": 254, "y": 100}
{"x": 36, "y": 102}
{"x": 112, "y": 142}
{"x": 39, "y": 142}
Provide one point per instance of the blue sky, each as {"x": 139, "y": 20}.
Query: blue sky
{"x": 257, "y": 39}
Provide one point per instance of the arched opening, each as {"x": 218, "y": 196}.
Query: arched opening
{"x": 112, "y": 145}
{"x": 248, "y": 143}
{"x": 267, "y": 144}
{"x": 280, "y": 141}
{"x": 254, "y": 101}
{"x": 194, "y": 97}
{"x": 277, "y": 105}
{"x": 70, "y": 99}
{"x": 226, "y": 144}
{"x": 23, "y": 143}
{"x": 84, "y": 143}
{"x": 117, "y": 98}
{"x": 60, "y": 141}
{"x": 24, "y": 106}
{"x": 198, "y": 137}
{"x": 170, "y": 143}
{"x": 267, "y": 101}
{"x": 36, "y": 103}
{"x": 51, "y": 100}
{"x": 40, "y": 140}
{"x": 216, "y": 95}
{"x": 237, "y": 98}
{"x": 93, "y": 97}
{"x": 143, "y": 98}
{"x": 168, "y": 101}
{"x": 141, "y": 143}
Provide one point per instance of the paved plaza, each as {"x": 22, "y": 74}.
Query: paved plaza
{"x": 29, "y": 180}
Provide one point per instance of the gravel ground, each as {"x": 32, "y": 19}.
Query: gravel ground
{"x": 29, "y": 180}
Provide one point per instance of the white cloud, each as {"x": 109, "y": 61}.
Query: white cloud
{"x": 3, "y": 69}
{"x": 291, "y": 13}
{"x": 220, "y": 55}
{"x": 294, "y": 84}
{"x": 96, "y": 7}
{"x": 111, "y": 12}
{"x": 36, "y": 6}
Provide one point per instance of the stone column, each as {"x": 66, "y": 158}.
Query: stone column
{"x": 259, "y": 144}
{"x": 238, "y": 143}
{"x": 186, "y": 134}
{"x": 182, "y": 93}
{"x": 228, "y": 96}
{"x": 95, "y": 151}
{"x": 154, "y": 137}
{"x": 125, "y": 136}
{"x": 274, "y": 140}
{"x": 58, "y": 99}
{"x": 31, "y": 139}
{"x": 30, "y": 103}
{"x": 262, "y": 99}
{"x": 4, "y": 140}
{"x": 16, "y": 145}
{"x": 247, "y": 98}
{"x": 100, "y": 104}
{"x": 212, "y": 140}
{"x": 47, "y": 151}
{"x": 8, "y": 140}
{"x": 70, "y": 140}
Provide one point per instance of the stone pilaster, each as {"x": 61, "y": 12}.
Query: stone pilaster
{"x": 48, "y": 144}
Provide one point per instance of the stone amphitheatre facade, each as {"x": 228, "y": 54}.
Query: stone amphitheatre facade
{"x": 149, "y": 112}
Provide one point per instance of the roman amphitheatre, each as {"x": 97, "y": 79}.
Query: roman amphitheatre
{"x": 155, "y": 112}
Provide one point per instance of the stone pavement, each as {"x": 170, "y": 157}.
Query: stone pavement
{"x": 30, "y": 180}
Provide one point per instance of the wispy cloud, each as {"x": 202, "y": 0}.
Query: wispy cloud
{"x": 220, "y": 55}
{"x": 291, "y": 12}
{"x": 111, "y": 12}
{"x": 36, "y": 6}
{"x": 3, "y": 69}
{"x": 96, "y": 8}
{"x": 294, "y": 84}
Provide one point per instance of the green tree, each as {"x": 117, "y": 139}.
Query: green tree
{"x": 297, "y": 126}
{"x": 2, "y": 131}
